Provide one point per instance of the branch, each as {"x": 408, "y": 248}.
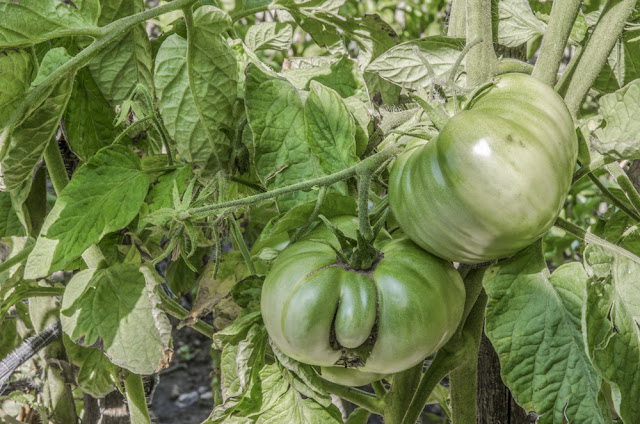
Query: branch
{"x": 595, "y": 54}
{"x": 625, "y": 184}
{"x": 353, "y": 395}
{"x": 563, "y": 15}
{"x": 482, "y": 62}
{"x": 369, "y": 164}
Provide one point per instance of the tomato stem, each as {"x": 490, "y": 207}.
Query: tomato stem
{"x": 356, "y": 396}
{"x": 612, "y": 198}
{"x": 563, "y": 15}
{"x": 626, "y": 185}
{"x": 239, "y": 239}
{"x": 322, "y": 194}
{"x": 595, "y": 54}
{"x": 363, "y": 206}
{"x": 482, "y": 62}
{"x": 136, "y": 400}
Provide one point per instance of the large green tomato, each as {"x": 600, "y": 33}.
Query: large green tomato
{"x": 382, "y": 320}
{"x": 495, "y": 178}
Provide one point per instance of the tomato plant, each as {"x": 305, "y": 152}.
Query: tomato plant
{"x": 495, "y": 178}
{"x": 383, "y": 319}
{"x": 255, "y": 171}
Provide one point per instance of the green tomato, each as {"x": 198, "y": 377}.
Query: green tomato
{"x": 495, "y": 178}
{"x": 382, "y": 320}
{"x": 349, "y": 376}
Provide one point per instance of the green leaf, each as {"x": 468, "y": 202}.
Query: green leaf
{"x": 16, "y": 72}
{"x": 403, "y": 67}
{"x": 612, "y": 313}
{"x": 97, "y": 375}
{"x": 25, "y": 22}
{"x": 103, "y": 196}
{"x": 269, "y": 35}
{"x": 89, "y": 118}
{"x": 180, "y": 277}
{"x": 178, "y": 108}
{"x": 620, "y": 136}
{"x": 246, "y": 293}
{"x": 517, "y": 24}
{"x": 276, "y": 114}
{"x": 29, "y": 135}
{"x": 10, "y": 224}
{"x": 121, "y": 65}
{"x": 534, "y": 323}
{"x": 212, "y": 73}
{"x": 236, "y": 331}
{"x": 110, "y": 308}
{"x": 292, "y": 408}
{"x": 330, "y": 129}
{"x": 344, "y": 76}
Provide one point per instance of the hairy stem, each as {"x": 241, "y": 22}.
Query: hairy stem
{"x": 595, "y": 54}
{"x": 174, "y": 309}
{"x": 590, "y": 238}
{"x": 136, "y": 400}
{"x": 458, "y": 19}
{"x": 399, "y": 397}
{"x": 482, "y": 62}
{"x": 586, "y": 169}
{"x": 356, "y": 396}
{"x": 612, "y": 198}
{"x": 563, "y": 15}
{"x": 322, "y": 194}
{"x": 369, "y": 164}
{"x": 248, "y": 12}
{"x": 237, "y": 236}
{"x": 625, "y": 184}
{"x": 363, "y": 206}
{"x": 17, "y": 258}
{"x": 55, "y": 166}
{"x": 378, "y": 389}
{"x": 508, "y": 65}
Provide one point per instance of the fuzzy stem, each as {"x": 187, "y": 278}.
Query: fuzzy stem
{"x": 458, "y": 19}
{"x": 17, "y": 258}
{"x": 136, "y": 400}
{"x": 237, "y": 236}
{"x": 378, "y": 389}
{"x": 585, "y": 170}
{"x": 356, "y": 396}
{"x": 588, "y": 237}
{"x": 55, "y": 166}
{"x": 369, "y": 164}
{"x": 482, "y": 62}
{"x": 174, "y": 309}
{"x": 625, "y": 184}
{"x": 399, "y": 397}
{"x": 509, "y": 65}
{"x": 604, "y": 37}
{"x": 322, "y": 194}
{"x": 612, "y": 198}
{"x": 363, "y": 206}
{"x": 563, "y": 15}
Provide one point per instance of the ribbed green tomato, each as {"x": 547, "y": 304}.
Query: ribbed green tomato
{"x": 495, "y": 178}
{"x": 382, "y": 320}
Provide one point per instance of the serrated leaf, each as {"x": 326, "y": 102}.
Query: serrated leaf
{"x": 32, "y": 21}
{"x": 330, "y": 129}
{"x": 517, "y": 24}
{"x": 88, "y": 118}
{"x": 620, "y": 136}
{"x": 103, "y": 196}
{"x": 212, "y": 69}
{"x": 269, "y": 35}
{"x": 28, "y": 137}
{"x": 403, "y": 67}
{"x": 534, "y": 323}
{"x": 121, "y": 65}
{"x": 276, "y": 114}
{"x": 178, "y": 108}
{"x": 160, "y": 195}
{"x": 110, "y": 308}
{"x": 611, "y": 317}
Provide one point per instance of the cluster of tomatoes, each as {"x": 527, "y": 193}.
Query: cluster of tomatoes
{"x": 491, "y": 183}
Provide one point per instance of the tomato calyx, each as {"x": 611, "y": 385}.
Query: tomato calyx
{"x": 353, "y": 255}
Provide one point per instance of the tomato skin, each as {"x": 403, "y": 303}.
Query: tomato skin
{"x": 495, "y": 178}
{"x": 412, "y": 302}
{"x": 349, "y": 376}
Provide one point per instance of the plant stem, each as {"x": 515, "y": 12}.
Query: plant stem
{"x": 132, "y": 127}
{"x": 109, "y": 34}
{"x": 588, "y": 237}
{"x": 136, "y": 400}
{"x": 464, "y": 379}
{"x": 435, "y": 115}
{"x": 508, "y": 65}
{"x": 482, "y": 62}
{"x": 584, "y": 170}
{"x": 613, "y": 199}
{"x": 378, "y": 389}
{"x": 369, "y": 164}
{"x": 363, "y": 206}
{"x": 356, "y": 396}
{"x": 248, "y": 12}
{"x": 625, "y": 184}
{"x": 322, "y": 194}
{"x": 55, "y": 166}
{"x": 595, "y": 54}
{"x": 458, "y": 19}
{"x": 17, "y": 258}
{"x": 237, "y": 235}
{"x": 563, "y": 15}
{"x": 171, "y": 307}
{"x": 399, "y": 397}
